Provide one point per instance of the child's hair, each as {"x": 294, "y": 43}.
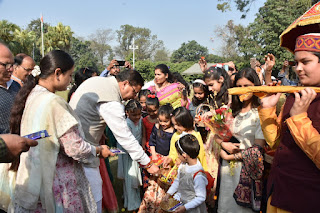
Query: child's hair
{"x": 188, "y": 144}
{"x": 204, "y": 88}
{"x": 179, "y": 79}
{"x": 183, "y": 117}
{"x": 133, "y": 105}
{"x": 165, "y": 110}
{"x": 80, "y": 76}
{"x": 152, "y": 100}
{"x": 165, "y": 70}
{"x": 143, "y": 92}
{"x": 252, "y": 76}
{"x": 214, "y": 73}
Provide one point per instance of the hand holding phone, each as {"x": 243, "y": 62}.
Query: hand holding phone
{"x": 120, "y": 63}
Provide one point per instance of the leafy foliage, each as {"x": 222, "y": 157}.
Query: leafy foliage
{"x": 100, "y": 44}
{"x": 146, "y": 68}
{"x": 146, "y": 42}
{"x": 58, "y": 37}
{"x": 83, "y": 55}
{"x": 244, "y": 5}
{"x": 262, "y": 36}
{"x": 190, "y": 51}
{"x": 161, "y": 55}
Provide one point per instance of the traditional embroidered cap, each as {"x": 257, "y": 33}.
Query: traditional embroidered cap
{"x": 309, "y": 22}
{"x": 308, "y": 42}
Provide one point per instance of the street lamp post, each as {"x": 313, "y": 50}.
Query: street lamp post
{"x": 133, "y": 48}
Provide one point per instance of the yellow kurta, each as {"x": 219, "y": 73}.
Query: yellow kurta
{"x": 301, "y": 129}
{"x": 173, "y": 154}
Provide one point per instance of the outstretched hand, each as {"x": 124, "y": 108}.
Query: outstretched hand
{"x": 302, "y": 103}
{"x": 270, "y": 61}
{"x": 166, "y": 162}
{"x": 15, "y": 145}
{"x": 113, "y": 63}
{"x": 203, "y": 64}
{"x": 153, "y": 169}
{"x": 105, "y": 151}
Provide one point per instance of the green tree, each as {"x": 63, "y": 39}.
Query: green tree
{"x": 82, "y": 54}
{"x": 146, "y": 68}
{"x": 146, "y": 42}
{"x": 244, "y": 5}
{"x": 100, "y": 44}
{"x": 262, "y": 36}
{"x": 23, "y": 42}
{"x": 190, "y": 51}
{"x": 227, "y": 35}
{"x": 161, "y": 55}
{"x": 35, "y": 27}
{"x": 7, "y": 30}
{"x": 58, "y": 37}
{"x": 211, "y": 58}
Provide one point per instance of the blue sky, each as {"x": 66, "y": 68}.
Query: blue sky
{"x": 173, "y": 21}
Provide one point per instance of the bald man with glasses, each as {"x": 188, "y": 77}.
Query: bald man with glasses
{"x": 8, "y": 87}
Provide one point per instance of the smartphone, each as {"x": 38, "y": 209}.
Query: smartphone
{"x": 121, "y": 63}
{"x": 292, "y": 63}
{"x": 117, "y": 151}
{"x": 37, "y": 135}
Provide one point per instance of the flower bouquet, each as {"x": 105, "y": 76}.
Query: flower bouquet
{"x": 221, "y": 123}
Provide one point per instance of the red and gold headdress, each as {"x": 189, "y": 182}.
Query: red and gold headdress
{"x": 308, "y": 23}
{"x": 308, "y": 42}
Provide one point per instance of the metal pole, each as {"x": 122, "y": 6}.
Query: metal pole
{"x": 133, "y": 48}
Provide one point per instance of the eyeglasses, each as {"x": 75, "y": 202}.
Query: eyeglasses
{"x": 28, "y": 70}
{"x": 135, "y": 92}
{"x": 7, "y": 66}
{"x": 231, "y": 69}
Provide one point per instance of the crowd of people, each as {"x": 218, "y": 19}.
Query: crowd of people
{"x": 194, "y": 144}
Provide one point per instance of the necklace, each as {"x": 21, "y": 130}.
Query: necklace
{"x": 239, "y": 118}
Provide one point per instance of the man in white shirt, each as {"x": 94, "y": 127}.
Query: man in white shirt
{"x": 98, "y": 103}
